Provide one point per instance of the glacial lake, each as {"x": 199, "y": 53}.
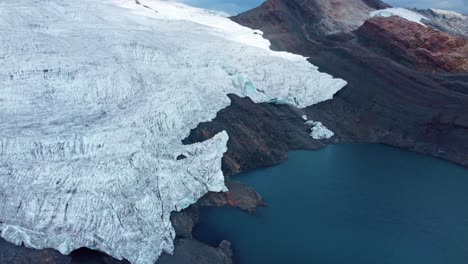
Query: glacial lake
{"x": 353, "y": 204}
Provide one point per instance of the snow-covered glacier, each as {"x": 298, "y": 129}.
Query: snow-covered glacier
{"x": 95, "y": 98}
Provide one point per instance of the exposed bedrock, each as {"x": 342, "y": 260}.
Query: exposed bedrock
{"x": 421, "y": 47}
{"x": 411, "y": 97}
{"x": 190, "y": 251}
{"x": 260, "y": 134}
{"x": 308, "y": 19}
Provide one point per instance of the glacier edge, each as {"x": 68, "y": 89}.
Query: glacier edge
{"x": 96, "y": 97}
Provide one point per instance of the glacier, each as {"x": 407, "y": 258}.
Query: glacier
{"x": 400, "y": 12}
{"x": 95, "y": 98}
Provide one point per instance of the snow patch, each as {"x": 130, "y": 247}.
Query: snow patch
{"x": 319, "y": 131}
{"x": 401, "y": 12}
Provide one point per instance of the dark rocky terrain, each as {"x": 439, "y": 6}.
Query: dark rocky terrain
{"x": 408, "y": 84}
{"x": 408, "y": 87}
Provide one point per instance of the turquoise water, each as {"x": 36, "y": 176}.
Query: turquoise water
{"x": 346, "y": 204}
{"x": 231, "y": 7}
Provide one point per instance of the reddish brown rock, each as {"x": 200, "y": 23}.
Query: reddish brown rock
{"x": 388, "y": 100}
{"x": 239, "y": 195}
{"x": 418, "y": 45}
{"x": 296, "y": 21}
{"x": 190, "y": 251}
{"x": 259, "y": 134}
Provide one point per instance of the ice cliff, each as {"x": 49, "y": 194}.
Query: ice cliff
{"x": 95, "y": 98}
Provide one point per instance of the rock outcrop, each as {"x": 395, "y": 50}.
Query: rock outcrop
{"x": 421, "y": 47}
{"x": 294, "y": 22}
{"x": 261, "y": 134}
{"x": 400, "y": 93}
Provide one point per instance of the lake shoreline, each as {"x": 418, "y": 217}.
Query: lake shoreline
{"x": 186, "y": 221}
{"x": 386, "y": 201}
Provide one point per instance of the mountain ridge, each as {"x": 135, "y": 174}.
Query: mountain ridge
{"x": 380, "y": 97}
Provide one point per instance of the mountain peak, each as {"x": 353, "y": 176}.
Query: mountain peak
{"x": 313, "y": 17}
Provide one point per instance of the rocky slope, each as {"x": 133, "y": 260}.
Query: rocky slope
{"x": 292, "y": 23}
{"x": 420, "y": 47}
{"x": 408, "y": 84}
{"x": 262, "y": 134}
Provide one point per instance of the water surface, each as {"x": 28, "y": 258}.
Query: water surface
{"x": 351, "y": 203}
{"x": 231, "y": 7}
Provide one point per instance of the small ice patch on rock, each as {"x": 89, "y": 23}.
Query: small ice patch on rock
{"x": 304, "y": 117}
{"x": 319, "y": 131}
{"x": 401, "y": 12}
